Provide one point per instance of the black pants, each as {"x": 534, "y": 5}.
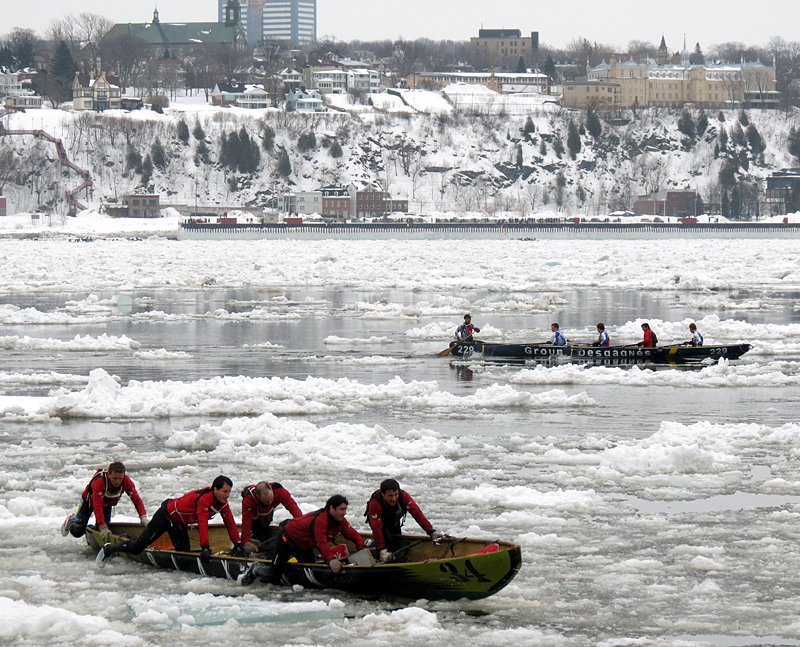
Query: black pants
{"x": 78, "y": 526}
{"x": 159, "y": 524}
{"x": 284, "y": 552}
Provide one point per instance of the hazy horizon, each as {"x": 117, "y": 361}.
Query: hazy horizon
{"x": 709, "y": 23}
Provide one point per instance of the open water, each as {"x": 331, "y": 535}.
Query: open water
{"x": 597, "y": 472}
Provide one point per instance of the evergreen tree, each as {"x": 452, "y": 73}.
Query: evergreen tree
{"x": 521, "y": 67}
{"x": 686, "y": 124}
{"x": 147, "y": 169}
{"x": 133, "y": 160}
{"x": 306, "y": 142}
{"x": 528, "y": 128}
{"x": 284, "y": 165}
{"x": 755, "y": 140}
{"x": 550, "y": 67}
{"x": 573, "y": 140}
{"x": 335, "y": 150}
{"x": 736, "y": 204}
{"x": 721, "y": 116}
{"x": 6, "y": 58}
{"x": 519, "y": 156}
{"x": 794, "y": 142}
{"x": 267, "y": 138}
{"x": 722, "y": 139}
{"x": 593, "y": 124}
{"x": 558, "y": 146}
{"x": 725, "y": 205}
{"x": 229, "y": 151}
{"x": 697, "y": 57}
{"x": 737, "y": 135}
{"x": 249, "y": 154}
{"x": 157, "y": 154}
{"x": 198, "y": 133}
{"x": 702, "y": 124}
{"x": 201, "y": 153}
{"x": 727, "y": 173}
{"x": 64, "y": 67}
{"x": 744, "y": 119}
{"x": 542, "y": 148}
{"x": 183, "y": 131}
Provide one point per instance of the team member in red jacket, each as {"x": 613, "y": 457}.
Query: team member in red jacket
{"x": 301, "y": 536}
{"x": 650, "y": 340}
{"x": 175, "y": 515}
{"x": 103, "y": 492}
{"x": 386, "y": 512}
{"x": 259, "y": 502}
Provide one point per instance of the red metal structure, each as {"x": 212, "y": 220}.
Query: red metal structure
{"x": 63, "y": 159}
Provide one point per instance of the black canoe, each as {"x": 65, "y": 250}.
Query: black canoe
{"x": 612, "y": 354}
{"x": 453, "y": 569}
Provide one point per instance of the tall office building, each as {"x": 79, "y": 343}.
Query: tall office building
{"x": 292, "y": 20}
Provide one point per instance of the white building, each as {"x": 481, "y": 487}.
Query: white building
{"x": 333, "y": 80}
{"x": 9, "y": 83}
{"x": 305, "y": 202}
{"x": 304, "y": 101}
{"x": 291, "y": 20}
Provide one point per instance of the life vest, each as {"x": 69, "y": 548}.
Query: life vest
{"x": 392, "y": 517}
{"x": 109, "y": 491}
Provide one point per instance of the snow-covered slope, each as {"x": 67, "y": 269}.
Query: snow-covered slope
{"x": 444, "y": 160}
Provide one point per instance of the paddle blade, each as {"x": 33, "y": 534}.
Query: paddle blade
{"x": 446, "y": 351}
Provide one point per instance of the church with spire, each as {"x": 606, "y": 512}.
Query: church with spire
{"x": 173, "y": 38}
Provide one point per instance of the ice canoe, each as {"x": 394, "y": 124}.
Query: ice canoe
{"x": 456, "y": 568}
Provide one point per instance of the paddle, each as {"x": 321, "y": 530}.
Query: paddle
{"x": 405, "y": 548}
{"x": 450, "y": 348}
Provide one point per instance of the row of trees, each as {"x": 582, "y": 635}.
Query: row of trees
{"x": 85, "y": 37}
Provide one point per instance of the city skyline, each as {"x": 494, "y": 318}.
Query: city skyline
{"x": 708, "y": 23}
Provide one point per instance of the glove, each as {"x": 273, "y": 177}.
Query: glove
{"x": 238, "y": 550}
{"x": 336, "y": 565}
{"x": 144, "y": 520}
{"x": 437, "y": 536}
{"x": 205, "y": 554}
{"x": 386, "y": 556}
{"x": 105, "y": 533}
{"x": 250, "y": 548}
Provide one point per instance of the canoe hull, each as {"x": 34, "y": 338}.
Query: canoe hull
{"x": 598, "y": 354}
{"x": 449, "y": 571}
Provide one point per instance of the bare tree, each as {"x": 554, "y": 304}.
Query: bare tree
{"x": 125, "y": 54}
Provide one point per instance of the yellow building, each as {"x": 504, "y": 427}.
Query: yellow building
{"x": 505, "y": 44}
{"x": 718, "y": 85}
{"x": 596, "y": 94}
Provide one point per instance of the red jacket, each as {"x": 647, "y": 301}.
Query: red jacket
{"x": 648, "y": 339}
{"x": 197, "y": 507}
{"x": 253, "y": 509}
{"x": 316, "y": 529}
{"x": 379, "y": 514}
{"x": 104, "y": 495}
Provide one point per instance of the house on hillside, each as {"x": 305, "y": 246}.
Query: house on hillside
{"x": 304, "y": 101}
{"x": 99, "y": 93}
{"x": 242, "y": 95}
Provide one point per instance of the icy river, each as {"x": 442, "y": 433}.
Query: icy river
{"x": 654, "y": 505}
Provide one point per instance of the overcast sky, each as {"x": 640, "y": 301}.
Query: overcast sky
{"x": 614, "y": 22}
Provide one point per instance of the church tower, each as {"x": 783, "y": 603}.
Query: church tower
{"x": 233, "y": 15}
